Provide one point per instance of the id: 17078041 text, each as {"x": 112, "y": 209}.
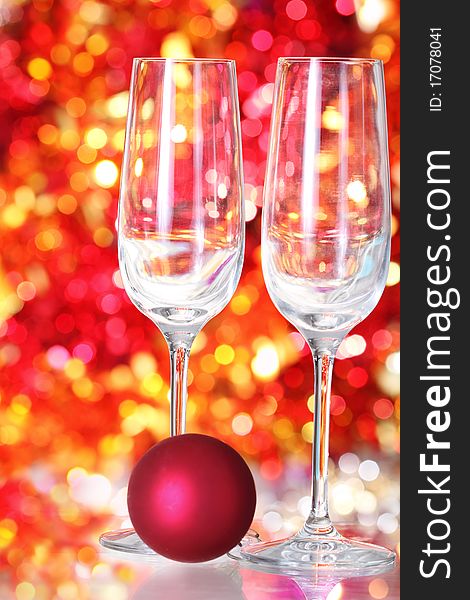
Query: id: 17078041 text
{"x": 435, "y": 69}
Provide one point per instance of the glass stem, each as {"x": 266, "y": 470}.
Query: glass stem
{"x": 319, "y": 520}
{"x": 179, "y": 357}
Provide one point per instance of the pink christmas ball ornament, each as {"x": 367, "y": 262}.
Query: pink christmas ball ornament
{"x": 191, "y": 498}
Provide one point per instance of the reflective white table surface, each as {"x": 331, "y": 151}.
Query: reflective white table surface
{"x": 226, "y": 579}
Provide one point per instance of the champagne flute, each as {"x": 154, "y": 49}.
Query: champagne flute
{"x": 181, "y": 211}
{"x": 325, "y": 255}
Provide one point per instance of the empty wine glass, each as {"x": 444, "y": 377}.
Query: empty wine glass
{"x": 181, "y": 212}
{"x": 325, "y": 255}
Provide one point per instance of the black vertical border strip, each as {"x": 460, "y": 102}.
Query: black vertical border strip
{"x": 423, "y": 131}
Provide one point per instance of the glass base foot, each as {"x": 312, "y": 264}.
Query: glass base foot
{"x": 302, "y": 554}
{"x": 127, "y": 540}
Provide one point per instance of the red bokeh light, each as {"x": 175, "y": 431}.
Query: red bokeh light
{"x": 296, "y": 10}
{"x": 345, "y": 7}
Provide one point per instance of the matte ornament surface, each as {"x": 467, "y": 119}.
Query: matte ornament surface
{"x": 191, "y": 498}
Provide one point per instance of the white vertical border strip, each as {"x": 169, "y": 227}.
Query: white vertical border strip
{"x": 198, "y": 147}
{"x": 165, "y": 154}
{"x": 310, "y": 181}
{"x": 342, "y": 211}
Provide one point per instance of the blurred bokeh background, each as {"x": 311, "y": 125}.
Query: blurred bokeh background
{"x": 84, "y": 376}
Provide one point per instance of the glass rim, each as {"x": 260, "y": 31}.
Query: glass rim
{"x": 163, "y": 59}
{"x": 330, "y": 59}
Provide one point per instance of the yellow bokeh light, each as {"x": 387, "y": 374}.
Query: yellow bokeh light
{"x": 103, "y": 237}
{"x": 332, "y": 119}
{"x": 370, "y": 14}
{"x": 222, "y": 190}
{"x": 75, "y": 474}
{"x": 325, "y": 161}
{"x": 96, "y": 138}
{"x": 83, "y": 63}
{"x": 97, "y": 44}
{"x": 283, "y": 429}
{"x": 201, "y": 26}
{"x": 176, "y": 45}
{"x": 224, "y": 354}
{"x": 48, "y": 239}
{"x": 25, "y": 591}
{"x": 382, "y": 52}
{"x": 143, "y": 364}
{"x": 40, "y": 68}
{"x": 242, "y": 424}
{"x": 132, "y": 425}
{"x": 240, "y": 375}
{"x": 307, "y": 432}
{"x": 48, "y": 134}
{"x": 106, "y": 173}
{"x": 148, "y": 138}
{"x": 267, "y": 406}
{"x": 69, "y": 139}
{"x": 145, "y": 417}
{"x": 138, "y": 167}
{"x": 225, "y": 16}
{"x": 395, "y": 223}
{"x": 77, "y": 34}
{"x": 60, "y": 54}
{"x": 382, "y": 47}
{"x": 356, "y": 191}
{"x": 343, "y": 499}
{"x": 336, "y": 593}
{"x": 265, "y": 364}
{"x": 20, "y": 404}
{"x": 93, "y": 12}
{"x": 68, "y": 590}
{"x": 86, "y": 155}
{"x": 74, "y": 368}
{"x": 25, "y": 197}
{"x": 9, "y": 435}
{"x": 8, "y": 529}
{"x": 147, "y": 109}
{"x": 118, "y": 140}
{"x": 82, "y": 387}
{"x": 13, "y": 216}
{"x": 199, "y": 343}
{"x": 76, "y": 107}
{"x": 79, "y": 181}
{"x": 393, "y": 274}
{"x": 222, "y": 408}
{"x": 116, "y": 106}
{"x": 152, "y": 383}
{"x": 178, "y": 133}
{"x": 240, "y": 304}
{"x": 127, "y": 408}
{"x": 67, "y": 204}
{"x": 311, "y": 403}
